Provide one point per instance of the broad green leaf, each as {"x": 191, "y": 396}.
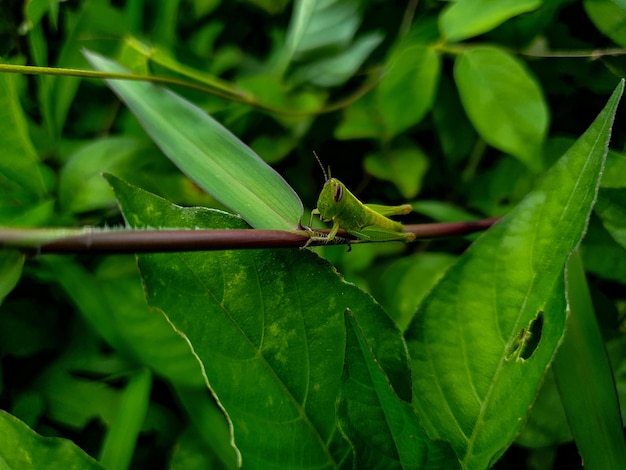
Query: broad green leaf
{"x": 21, "y": 447}
{"x": 81, "y": 186}
{"x": 483, "y": 338}
{"x": 407, "y": 91}
{"x": 468, "y": 18}
{"x": 608, "y": 16}
{"x": 503, "y": 101}
{"x": 360, "y": 120}
{"x": 585, "y": 380}
{"x": 273, "y": 149}
{"x": 384, "y": 430}
{"x": 268, "y": 327}
{"x": 208, "y": 153}
{"x": 404, "y": 167}
{"x": 396, "y": 289}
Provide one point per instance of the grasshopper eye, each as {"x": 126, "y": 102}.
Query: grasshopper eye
{"x": 338, "y": 195}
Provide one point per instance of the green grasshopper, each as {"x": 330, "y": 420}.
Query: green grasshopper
{"x": 365, "y": 221}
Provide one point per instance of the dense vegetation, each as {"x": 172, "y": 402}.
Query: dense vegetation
{"x": 502, "y": 350}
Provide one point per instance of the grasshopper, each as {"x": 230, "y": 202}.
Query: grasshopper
{"x": 368, "y": 222}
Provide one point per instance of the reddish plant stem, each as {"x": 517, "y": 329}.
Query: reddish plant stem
{"x": 159, "y": 241}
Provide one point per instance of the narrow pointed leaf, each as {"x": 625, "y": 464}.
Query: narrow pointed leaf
{"x": 121, "y": 439}
{"x": 585, "y": 380}
{"x": 483, "y": 338}
{"x": 208, "y": 153}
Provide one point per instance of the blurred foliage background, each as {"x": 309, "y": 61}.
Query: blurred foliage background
{"x": 451, "y": 106}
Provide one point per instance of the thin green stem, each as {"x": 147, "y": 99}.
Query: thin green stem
{"x": 240, "y": 96}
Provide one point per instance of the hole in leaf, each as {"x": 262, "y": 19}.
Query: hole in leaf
{"x": 524, "y": 344}
{"x": 534, "y": 335}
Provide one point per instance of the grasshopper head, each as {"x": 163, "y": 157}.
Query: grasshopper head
{"x": 331, "y": 200}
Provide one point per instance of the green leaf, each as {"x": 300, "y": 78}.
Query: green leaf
{"x": 11, "y": 264}
{"x": 585, "y": 380}
{"x": 384, "y": 430}
{"x": 408, "y": 89}
{"x": 497, "y": 190}
{"x": 21, "y": 447}
{"x": 396, "y": 289}
{"x": 321, "y": 24}
{"x": 546, "y": 424}
{"x": 602, "y": 255}
{"x": 163, "y": 58}
{"x": 112, "y": 301}
{"x": 208, "y": 153}
{"x": 69, "y": 396}
{"x": 321, "y": 45}
{"x": 468, "y": 18}
{"x": 483, "y": 338}
{"x": 22, "y": 178}
{"x": 121, "y": 439}
{"x": 214, "y": 433}
{"x": 273, "y": 149}
{"x": 360, "y": 120}
{"x": 608, "y": 16}
{"x": 454, "y": 130}
{"x": 81, "y": 187}
{"x": 337, "y": 68}
{"x": 268, "y": 328}
{"x": 404, "y": 167}
{"x": 614, "y": 175}
{"x": 503, "y": 101}
{"x": 442, "y": 211}
{"x": 611, "y": 208}
{"x": 189, "y": 453}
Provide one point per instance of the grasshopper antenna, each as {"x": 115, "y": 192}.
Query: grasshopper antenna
{"x": 326, "y": 175}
